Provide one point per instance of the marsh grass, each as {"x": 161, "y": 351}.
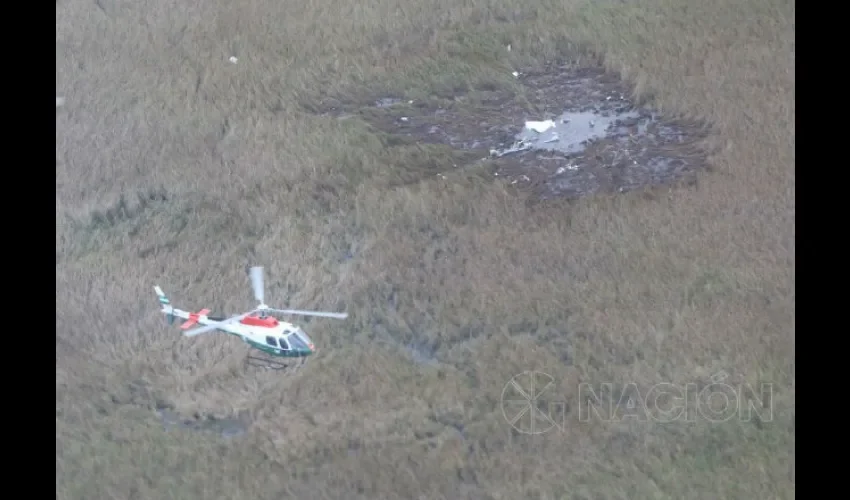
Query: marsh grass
{"x": 178, "y": 168}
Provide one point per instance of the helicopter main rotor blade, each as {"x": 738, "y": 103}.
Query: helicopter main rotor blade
{"x": 257, "y": 283}
{"x": 311, "y": 313}
{"x": 215, "y": 326}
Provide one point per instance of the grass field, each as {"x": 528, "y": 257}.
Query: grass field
{"x": 177, "y": 167}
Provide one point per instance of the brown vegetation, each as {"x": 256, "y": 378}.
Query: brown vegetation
{"x": 179, "y": 168}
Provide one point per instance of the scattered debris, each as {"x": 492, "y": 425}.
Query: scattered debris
{"x": 516, "y": 147}
{"x": 386, "y": 102}
{"x": 584, "y": 142}
{"x": 233, "y": 59}
{"x": 571, "y": 132}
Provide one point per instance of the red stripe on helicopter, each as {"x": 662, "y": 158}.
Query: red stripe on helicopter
{"x": 193, "y": 318}
{"x": 268, "y": 321}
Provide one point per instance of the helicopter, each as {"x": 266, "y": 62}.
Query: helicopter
{"x": 273, "y": 338}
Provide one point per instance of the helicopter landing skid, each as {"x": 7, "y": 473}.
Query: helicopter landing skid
{"x": 272, "y": 363}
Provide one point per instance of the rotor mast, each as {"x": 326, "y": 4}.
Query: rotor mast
{"x": 258, "y": 286}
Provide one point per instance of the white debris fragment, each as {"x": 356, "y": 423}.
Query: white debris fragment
{"x": 233, "y": 59}
{"x": 516, "y": 147}
{"x": 554, "y": 138}
{"x": 404, "y": 118}
{"x": 516, "y": 74}
{"x": 540, "y": 127}
{"x": 60, "y": 101}
{"x": 509, "y": 47}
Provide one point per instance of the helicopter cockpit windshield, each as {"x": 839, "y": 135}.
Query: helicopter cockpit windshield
{"x": 299, "y": 340}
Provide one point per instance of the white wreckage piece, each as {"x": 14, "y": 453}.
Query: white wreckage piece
{"x": 516, "y": 147}
{"x": 524, "y": 145}
{"x": 540, "y": 127}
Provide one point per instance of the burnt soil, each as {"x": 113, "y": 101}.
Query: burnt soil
{"x": 640, "y": 149}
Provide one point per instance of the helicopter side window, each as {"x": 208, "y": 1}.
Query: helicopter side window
{"x": 283, "y": 344}
{"x": 271, "y": 341}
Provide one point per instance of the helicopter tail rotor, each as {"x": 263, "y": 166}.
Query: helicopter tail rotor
{"x": 167, "y": 308}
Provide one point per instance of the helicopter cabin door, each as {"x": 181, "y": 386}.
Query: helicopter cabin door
{"x": 272, "y": 344}
{"x": 284, "y": 346}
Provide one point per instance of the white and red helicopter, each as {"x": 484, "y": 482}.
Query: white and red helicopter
{"x": 277, "y": 339}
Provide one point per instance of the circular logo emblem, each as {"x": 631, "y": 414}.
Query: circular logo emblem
{"x": 522, "y": 403}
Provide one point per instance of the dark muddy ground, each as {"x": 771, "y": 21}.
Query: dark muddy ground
{"x": 600, "y": 142}
{"x": 140, "y": 394}
{"x": 225, "y": 427}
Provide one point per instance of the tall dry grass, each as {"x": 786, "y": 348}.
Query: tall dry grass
{"x": 179, "y": 168}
